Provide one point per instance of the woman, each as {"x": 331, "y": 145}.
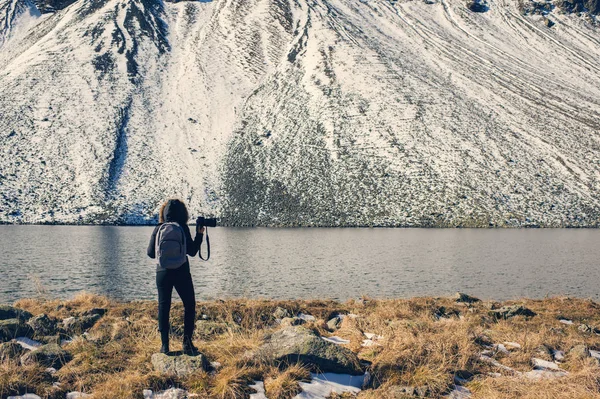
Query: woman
{"x": 166, "y": 278}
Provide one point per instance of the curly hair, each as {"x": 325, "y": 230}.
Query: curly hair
{"x": 178, "y": 211}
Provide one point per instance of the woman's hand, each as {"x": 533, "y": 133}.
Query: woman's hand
{"x": 199, "y": 229}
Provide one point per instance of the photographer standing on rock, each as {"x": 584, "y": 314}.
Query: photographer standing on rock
{"x": 170, "y": 244}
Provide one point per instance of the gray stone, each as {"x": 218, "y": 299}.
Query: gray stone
{"x": 281, "y": 313}
{"x": 334, "y": 323}
{"x": 10, "y": 350}
{"x": 13, "y": 328}
{"x": 179, "y": 364}
{"x": 464, "y": 298}
{"x": 292, "y": 321}
{"x": 586, "y": 328}
{"x": 297, "y": 344}
{"x": 443, "y": 313}
{"x": 78, "y": 325}
{"x": 50, "y": 355}
{"x": 206, "y": 329}
{"x": 43, "y": 325}
{"x": 545, "y": 352}
{"x": 9, "y": 312}
{"x": 399, "y": 392}
{"x": 95, "y": 312}
{"x": 579, "y": 352}
{"x": 402, "y": 392}
{"x": 506, "y": 312}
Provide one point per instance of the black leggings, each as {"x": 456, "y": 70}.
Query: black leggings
{"x": 181, "y": 279}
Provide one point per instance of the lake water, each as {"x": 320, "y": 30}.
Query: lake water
{"x": 60, "y": 261}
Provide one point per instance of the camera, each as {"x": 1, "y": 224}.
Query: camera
{"x": 206, "y": 222}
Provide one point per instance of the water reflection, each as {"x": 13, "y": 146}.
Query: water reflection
{"x": 307, "y": 263}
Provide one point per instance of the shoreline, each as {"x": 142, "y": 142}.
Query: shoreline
{"x": 448, "y": 227}
{"x": 414, "y": 347}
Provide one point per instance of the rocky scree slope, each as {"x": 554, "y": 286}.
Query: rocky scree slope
{"x": 301, "y": 112}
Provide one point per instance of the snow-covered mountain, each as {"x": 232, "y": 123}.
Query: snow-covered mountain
{"x": 301, "y": 112}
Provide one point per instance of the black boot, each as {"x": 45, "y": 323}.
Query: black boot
{"x": 164, "y": 348}
{"x": 164, "y": 337}
{"x": 189, "y": 348}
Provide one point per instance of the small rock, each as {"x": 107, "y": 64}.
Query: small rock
{"x": 43, "y": 325}
{"x": 10, "y": 350}
{"x": 27, "y": 343}
{"x": 26, "y": 396}
{"x": 579, "y": 352}
{"x": 50, "y": 355}
{"x": 544, "y": 364}
{"x": 78, "y": 325}
{"x": 507, "y": 312}
{"x": 512, "y": 345}
{"x": 291, "y": 321}
{"x": 95, "y": 312}
{"x": 464, "y": 298}
{"x": 281, "y": 313}
{"x": 306, "y": 317}
{"x": 586, "y": 328}
{"x": 544, "y": 374}
{"x": 559, "y": 356}
{"x": 495, "y": 363}
{"x": 206, "y": 329}
{"x": 548, "y": 22}
{"x": 565, "y": 321}
{"x": 398, "y": 392}
{"x": 443, "y": 313}
{"x": 179, "y": 364}
{"x": 78, "y": 395}
{"x": 459, "y": 392}
{"x": 12, "y": 328}
{"x": 334, "y": 323}
{"x": 9, "y": 312}
{"x": 545, "y": 352}
{"x": 500, "y": 348}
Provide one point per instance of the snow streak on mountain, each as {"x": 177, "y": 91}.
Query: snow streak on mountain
{"x": 301, "y": 112}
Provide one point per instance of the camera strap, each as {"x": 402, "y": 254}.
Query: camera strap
{"x": 207, "y": 247}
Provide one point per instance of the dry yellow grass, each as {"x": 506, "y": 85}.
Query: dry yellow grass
{"x": 417, "y": 349}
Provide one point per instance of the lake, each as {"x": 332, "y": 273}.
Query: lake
{"x": 60, "y": 261}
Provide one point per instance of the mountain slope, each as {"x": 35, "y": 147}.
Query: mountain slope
{"x": 303, "y": 112}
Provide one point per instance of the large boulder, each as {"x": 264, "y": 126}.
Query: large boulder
{"x": 9, "y": 312}
{"x": 506, "y": 312}
{"x": 297, "y": 344}
{"x": 13, "y": 328}
{"x": 50, "y": 355}
{"x": 10, "y": 350}
{"x": 43, "y": 325}
{"x": 179, "y": 364}
{"x": 78, "y": 325}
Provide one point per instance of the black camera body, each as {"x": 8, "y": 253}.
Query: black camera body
{"x": 206, "y": 222}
